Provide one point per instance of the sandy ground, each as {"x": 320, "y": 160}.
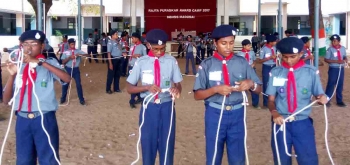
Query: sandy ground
{"x": 105, "y": 131}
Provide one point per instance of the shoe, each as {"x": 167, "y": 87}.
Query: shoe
{"x": 138, "y": 101}
{"x": 132, "y": 106}
{"x": 257, "y": 107}
{"x": 118, "y": 91}
{"x": 0, "y": 100}
{"x": 328, "y": 105}
{"x": 109, "y": 92}
{"x": 82, "y": 102}
{"x": 62, "y": 101}
{"x": 341, "y": 104}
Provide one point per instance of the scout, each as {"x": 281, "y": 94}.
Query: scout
{"x": 336, "y": 57}
{"x": 156, "y": 71}
{"x": 249, "y": 55}
{"x": 125, "y": 49}
{"x": 114, "y": 51}
{"x": 137, "y": 51}
{"x": 216, "y": 77}
{"x": 104, "y": 42}
{"x": 209, "y": 46}
{"x": 63, "y": 46}
{"x": 189, "y": 45}
{"x": 255, "y": 41}
{"x": 32, "y": 144}
{"x": 307, "y": 56}
{"x": 290, "y": 88}
{"x": 71, "y": 59}
{"x": 268, "y": 59}
{"x": 91, "y": 47}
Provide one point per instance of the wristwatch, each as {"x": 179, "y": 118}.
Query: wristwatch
{"x": 41, "y": 61}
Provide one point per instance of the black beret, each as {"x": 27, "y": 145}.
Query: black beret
{"x": 136, "y": 35}
{"x": 156, "y": 37}
{"x": 33, "y": 35}
{"x": 290, "y": 45}
{"x": 271, "y": 38}
{"x": 305, "y": 39}
{"x": 65, "y": 36}
{"x": 71, "y": 40}
{"x": 189, "y": 36}
{"x": 335, "y": 37}
{"x": 246, "y": 42}
{"x": 224, "y": 31}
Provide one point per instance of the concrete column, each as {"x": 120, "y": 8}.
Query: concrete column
{"x": 48, "y": 28}
{"x": 142, "y": 20}
{"x": 347, "y": 20}
{"x": 19, "y": 24}
{"x": 284, "y": 18}
{"x": 105, "y": 23}
{"x": 336, "y": 24}
{"x": 255, "y": 24}
{"x": 33, "y": 24}
{"x": 226, "y": 12}
{"x": 218, "y": 16}
{"x": 133, "y": 15}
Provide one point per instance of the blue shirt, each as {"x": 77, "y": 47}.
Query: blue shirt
{"x": 68, "y": 53}
{"x": 65, "y": 46}
{"x": 139, "y": 49}
{"x": 44, "y": 88}
{"x": 333, "y": 55}
{"x": 252, "y": 56}
{"x": 306, "y": 55}
{"x": 308, "y": 83}
{"x": 266, "y": 52}
{"x": 114, "y": 48}
{"x": 210, "y": 75}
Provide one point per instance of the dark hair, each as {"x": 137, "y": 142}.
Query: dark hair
{"x": 144, "y": 33}
{"x": 90, "y": 34}
{"x": 96, "y": 30}
{"x": 254, "y": 33}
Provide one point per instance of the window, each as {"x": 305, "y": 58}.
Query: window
{"x": 71, "y": 23}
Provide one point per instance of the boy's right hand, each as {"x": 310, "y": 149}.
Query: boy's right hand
{"x": 223, "y": 90}
{"x": 154, "y": 89}
{"x": 277, "y": 118}
{"x": 11, "y": 67}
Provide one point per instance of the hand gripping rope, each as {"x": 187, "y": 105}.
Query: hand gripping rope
{"x": 245, "y": 103}
{"x": 145, "y": 103}
{"x": 19, "y": 64}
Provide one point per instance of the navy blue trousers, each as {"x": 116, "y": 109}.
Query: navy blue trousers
{"x": 231, "y": 133}
{"x": 255, "y": 98}
{"x": 133, "y": 96}
{"x": 301, "y": 135}
{"x": 0, "y": 84}
{"x": 32, "y": 143}
{"x": 266, "y": 69}
{"x": 92, "y": 50}
{"x": 332, "y": 81}
{"x": 76, "y": 77}
{"x": 190, "y": 57}
{"x": 155, "y": 131}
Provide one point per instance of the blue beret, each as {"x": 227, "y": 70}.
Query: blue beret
{"x": 136, "y": 35}
{"x": 224, "y": 31}
{"x": 71, "y": 40}
{"x": 156, "y": 37}
{"x": 290, "y": 45}
{"x": 246, "y": 42}
{"x": 271, "y": 38}
{"x": 33, "y": 35}
{"x": 305, "y": 39}
{"x": 335, "y": 37}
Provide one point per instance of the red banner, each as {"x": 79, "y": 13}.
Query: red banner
{"x": 190, "y": 15}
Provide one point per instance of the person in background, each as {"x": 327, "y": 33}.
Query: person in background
{"x": 277, "y": 36}
{"x": 114, "y": 51}
{"x": 104, "y": 42}
{"x": 63, "y": 46}
{"x": 96, "y": 37}
{"x": 90, "y": 47}
{"x": 144, "y": 41}
{"x": 307, "y": 55}
{"x": 180, "y": 40}
{"x": 210, "y": 44}
{"x": 189, "y": 47}
{"x": 125, "y": 50}
{"x": 48, "y": 51}
{"x": 255, "y": 42}
{"x": 262, "y": 39}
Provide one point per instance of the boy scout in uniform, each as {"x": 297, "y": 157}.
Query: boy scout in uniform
{"x": 136, "y": 51}
{"x": 63, "y": 46}
{"x": 114, "y": 51}
{"x": 336, "y": 57}
{"x": 189, "y": 45}
{"x": 216, "y": 77}
{"x": 156, "y": 71}
{"x": 71, "y": 59}
{"x": 255, "y": 42}
{"x": 31, "y": 141}
{"x": 125, "y": 49}
{"x": 268, "y": 57}
{"x": 249, "y": 55}
{"x": 290, "y": 88}
{"x": 307, "y": 56}
{"x": 90, "y": 42}
{"x": 104, "y": 42}
{"x": 209, "y": 47}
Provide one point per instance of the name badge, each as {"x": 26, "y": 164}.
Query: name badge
{"x": 215, "y": 76}
{"x": 147, "y": 78}
{"x": 267, "y": 55}
{"x": 335, "y": 54}
{"x": 44, "y": 83}
{"x": 278, "y": 82}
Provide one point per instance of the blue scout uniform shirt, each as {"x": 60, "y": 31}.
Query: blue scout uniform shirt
{"x": 65, "y": 46}
{"x": 114, "y": 48}
{"x": 68, "y": 53}
{"x": 44, "y": 88}
{"x": 306, "y": 55}
{"x": 189, "y": 47}
{"x": 308, "y": 83}
{"x": 104, "y": 41}
{"x": 89, "y": 41}
{"x": 265, "y": 52}
{"x": 144, "y": 70}
{"x": 210, "y": 74}
{"x": 252, "y": 56}
{"x": 139, "y": 49}
{"x": 333, "y": 55}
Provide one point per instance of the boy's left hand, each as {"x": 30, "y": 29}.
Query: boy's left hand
{"x": 174, "y": 91}
{"x": 28, "y": 59}
{"x": 244, "y": 85}
{"x": 322, "y": 99}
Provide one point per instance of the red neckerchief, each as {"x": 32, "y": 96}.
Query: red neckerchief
{"x": 272, "y": 51}
{"x": 25, "y": 78}
{"x": 75, "y": 59}
{"x": 307, "y": 50}
{"x": 224, "y": 66}
{"x": 338, "y": 52}
{"x": 133, "y": 49}
{"x": 156, "y": 70}
{"x": 126, "y": 44}
{"x": 292, "y": 84}
{"x": 246, "y": 54}
{"x": 62, "y": 49}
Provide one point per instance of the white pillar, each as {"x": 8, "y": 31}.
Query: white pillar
{"x": 226, "y": 11}
{"x": 20, "y": 25}
{"x": 284, "y": 18}
{"x": 255, "y": 23}
{"x": 218, "y": 15}
{"x": 142, "y": 20}
{"x": 347, "y": 30}
{"x": 336, "y": 24}
{"x": 133, "y": 15}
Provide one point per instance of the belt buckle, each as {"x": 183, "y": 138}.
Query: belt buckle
{"x": 30, "y": 115}
{"x": 157, "y": 101}
{"x": 228, "y": 107}
{"x": 291, "y": 119}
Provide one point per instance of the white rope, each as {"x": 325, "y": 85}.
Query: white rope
{"x": 70, "y": 87}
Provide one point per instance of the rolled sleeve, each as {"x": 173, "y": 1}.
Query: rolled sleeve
{"x": 177, "y": 76}
{"x": 135, "y": 74}
{"x": 271, "y": 90}
{"x": 201, "y": 78}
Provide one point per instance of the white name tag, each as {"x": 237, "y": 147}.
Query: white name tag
{"x": 335, "y": 54}
{"x": 278, "y": 82}
{"x": 267, "y": 55}
{"x": 215, "y": 76}
{"x": 147, "y": 78}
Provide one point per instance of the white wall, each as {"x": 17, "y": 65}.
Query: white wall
{"x": 249, "y": 22}
{"x": 139, "y": 8}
